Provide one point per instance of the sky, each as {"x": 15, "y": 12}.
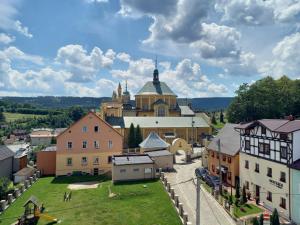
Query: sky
{"x": 204, "y": 48}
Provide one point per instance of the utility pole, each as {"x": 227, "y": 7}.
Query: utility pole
{"x": 198, "y": 202}
{"x": 220, "y": 172}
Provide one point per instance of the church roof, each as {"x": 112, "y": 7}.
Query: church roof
{"x": 153, "y": 141}
{"x": 156, "y": 88}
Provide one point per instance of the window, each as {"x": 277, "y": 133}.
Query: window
{"x": 84, "y": 129}
{"x": 269, "y": 173}
{"x": 84, "y": 144}
{"x": 224, "y": 158}
{"x": 148, "y": 170}
{"x": 267, "y": 149}
{"x": 247, "y": 185}
{"x": 283, "y": 152}
{"x": 161, "y": 111}
{"x": 229, "y": 159}
{"x": 109, "y": 159}
{"x": 282, "y": 203}
{"x": 69, "y": 161}
{"x": 96, "y": 128}
{"x": 246, "y": 164}
{"x": 256, "y": 168}
{"x": 282, "y": 177}
{"x": 229, "y": 176}
{"x": 283, "y": 137}
{"x": 96, "y": 161}
{"x": 136, "y": 169}
{"x": 96, "y": 144}
{"x": 247, "y": 145}
{"x": 122, "y": 170}
{"x": 212, "y": 154}
{"x": 263, "y": 130}
{"x": 84, "y": 160}
{"x": 261, "y": 147}
{"x": 110, "y": 144}
{"x": 69, "y": 144}
{"x": 247, "y": 131}
{"x": 269, "y": 196}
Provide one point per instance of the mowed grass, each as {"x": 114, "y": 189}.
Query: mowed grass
{"x": 134, "y": 204}
{"x": 11, "y": 117}
{"x": 246, "y": 209}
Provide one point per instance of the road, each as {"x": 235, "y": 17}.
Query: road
{"x": 211, "y": 213}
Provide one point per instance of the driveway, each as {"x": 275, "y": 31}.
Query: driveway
{"x": 211, "y": 213}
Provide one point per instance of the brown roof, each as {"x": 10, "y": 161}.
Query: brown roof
{"x": 272, "y": 124}
{"x": 289, "y": 127}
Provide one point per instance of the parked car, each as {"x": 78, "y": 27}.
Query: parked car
{"x": 201, "y": 172}
{"x": 212, "y": 181}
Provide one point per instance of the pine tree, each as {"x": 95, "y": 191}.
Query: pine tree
{"x": 237, "y": 190}
{"x": 131, "y": 136}
{"x": 255, "y": 221}
{"x": 244, "y": 195}
{"x": 213, "y": 119}
{"x": 274, "y": 220}
{"x": 261, "y": 219}
{"x": 221, "y": 117}
{"x": 138, "y": 136}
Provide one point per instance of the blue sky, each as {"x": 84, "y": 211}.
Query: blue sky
{"x": 204, "y": 47}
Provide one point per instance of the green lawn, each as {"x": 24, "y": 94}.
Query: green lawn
{"x": 11, "y": 117}
{"x": 133, "y": 205}
{"x": 248, "y": 210}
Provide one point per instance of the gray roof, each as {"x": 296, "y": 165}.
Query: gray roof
{"x": 229, "y": 138}
{"x": 131, "y": 159}
{"x": 155, "y": 122}
{"x": 50, "y": 149}
{"x": 153, "y": 141}
{"x": 158, "y": 153}
{"x": 5, "y": 152}
{"x": 159, "y": 88}
{"x": 160, "y": 101}
{"x": 186, "y": 110}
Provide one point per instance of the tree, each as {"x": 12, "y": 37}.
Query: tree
{"x": 221, "y": 117}
{"x": 131, "y": 137}
{"x": 261, "y": 219}
{"x": 237, "y": 190}
{"x": 213, "y": 119}
{"x": 76, "y": 112}
{"x": 255, "y": 221}
{"x": 244, "y": 195}
{"x": 138, "y": 136}
{"x": 5, "y": 183}
{"x": 274, "y": 219}
{"x": 2, "y": 117}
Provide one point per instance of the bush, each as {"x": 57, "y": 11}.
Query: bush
{"x": 230, "y": 200}
{"x": 5, "y": 186}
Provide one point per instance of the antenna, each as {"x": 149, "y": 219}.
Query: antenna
{"x": 126, "y": 85}
{"x": 155, "y": 61}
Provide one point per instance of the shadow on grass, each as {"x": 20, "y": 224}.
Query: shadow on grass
{"x": 134, "y": 182}
{"x": 79, "y": 178}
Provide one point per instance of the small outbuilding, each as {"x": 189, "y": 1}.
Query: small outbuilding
{"x": 46, "y": 160}
{"x": 6, "y": 161}
{"x": 153, "y": 142}
{"x": 132, "y": 167}
{"x": 23, "y": 174}
{"x": 163, "y": 159}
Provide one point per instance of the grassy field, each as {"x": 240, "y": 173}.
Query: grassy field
{"x": 134, "y": 203}
{"x": 11, "y": 117}
{"x": 247, "y": 209}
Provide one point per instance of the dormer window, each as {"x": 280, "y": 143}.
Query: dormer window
{"x": 263, "y": 130}
{"x": 283, "y": 137}
{"x": 247, "y": 131}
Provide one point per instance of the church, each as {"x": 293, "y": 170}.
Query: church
{"x": 155, "y": 108}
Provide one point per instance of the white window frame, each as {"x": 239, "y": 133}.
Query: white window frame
{"x": 69, "y": 164}
{"x": 86, "y": 144}
{"x": 68, "y": 144}
{"x": 84, "y": 162}
{"x": 96, "y": 144}
{"x": 98, "y": 160}
{"x": 84, "y": 129}
{"x": 110, "y": 144}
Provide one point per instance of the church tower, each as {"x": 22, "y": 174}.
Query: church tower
{"x": 119, "y": 91}
{"x": 155, "y": 74}
{"x": 126, "y": 95}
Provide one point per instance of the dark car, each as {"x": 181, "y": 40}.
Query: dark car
{"x": 212, "y": 181}
{"x": 201, "y": 172}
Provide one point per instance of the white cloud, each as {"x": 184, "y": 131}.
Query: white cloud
{"x": 6, "y": 39}
{"x": 13, "y": 53}
{"x": 286, "y": 58}
{"x": 123, "y": 57}
{"x": 84, "y": 66}
{"x": 96, "y": 1}
{"x": 8, "y": 13}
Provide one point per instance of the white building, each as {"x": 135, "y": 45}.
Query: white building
{"x": 268, "y": 147}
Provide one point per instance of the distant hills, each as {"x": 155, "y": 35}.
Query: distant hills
{"x": 199, "y": 104}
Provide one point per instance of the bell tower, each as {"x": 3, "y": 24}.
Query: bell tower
{"x": 155, "y": 73}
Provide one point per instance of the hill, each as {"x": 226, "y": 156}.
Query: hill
{"x": 52, "y": 102}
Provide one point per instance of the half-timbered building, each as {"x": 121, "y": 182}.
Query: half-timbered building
{"x": 268, "y": 148}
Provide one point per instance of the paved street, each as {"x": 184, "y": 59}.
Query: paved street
{"x": 211, "y": 213}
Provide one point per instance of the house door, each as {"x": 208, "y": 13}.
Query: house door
{"x": 96, "y": 171}
{"x": 257, "y": 191}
